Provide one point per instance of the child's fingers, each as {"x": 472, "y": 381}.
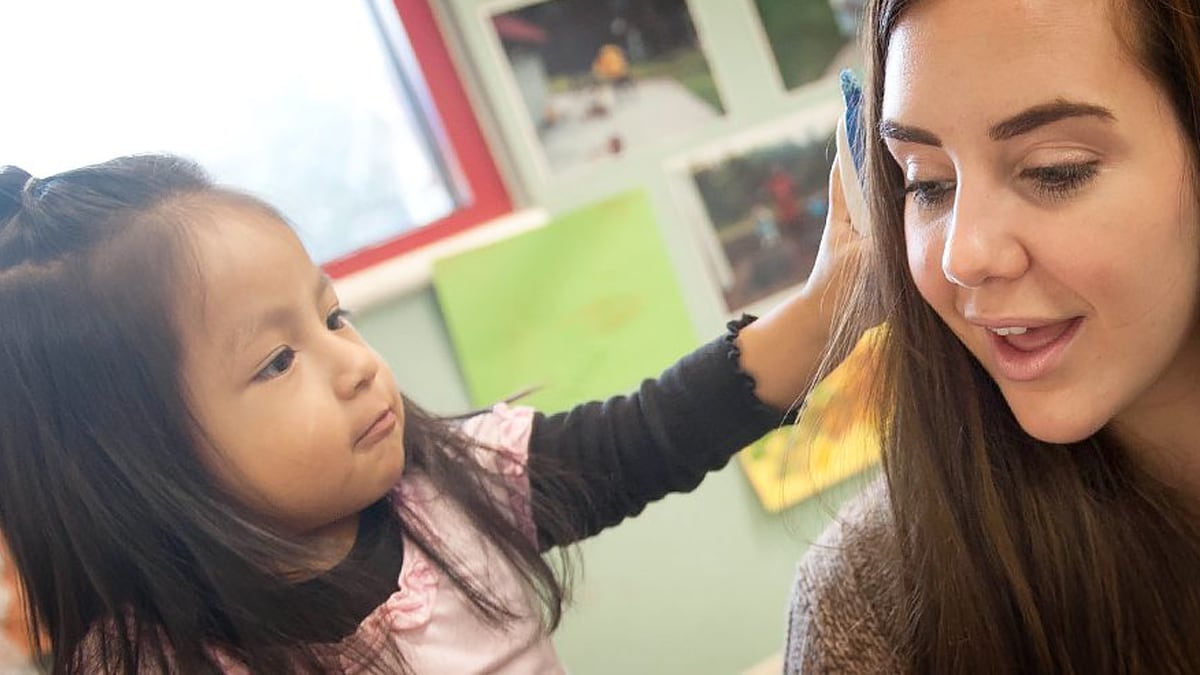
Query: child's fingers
{"x": 840, "y": 242}
{"x": 838, "y": 221}
{"x": 840, "y": 233}
{"x": 837, "y": 196}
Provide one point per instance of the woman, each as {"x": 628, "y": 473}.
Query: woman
{"x": 1033, "y": 194}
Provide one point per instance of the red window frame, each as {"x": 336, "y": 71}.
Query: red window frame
{"x": 489, "y": 196}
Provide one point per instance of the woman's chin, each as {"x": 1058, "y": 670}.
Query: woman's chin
{"x": 1063, "y": 429}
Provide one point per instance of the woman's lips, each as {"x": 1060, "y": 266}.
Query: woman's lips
{"x": 1034, "y": 353}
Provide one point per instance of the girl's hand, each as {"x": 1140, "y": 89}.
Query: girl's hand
{"x": 782, "y": 349}
{"x": 841, "y": 244}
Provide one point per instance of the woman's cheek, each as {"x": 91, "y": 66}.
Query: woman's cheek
{"x": 924, "y": 250}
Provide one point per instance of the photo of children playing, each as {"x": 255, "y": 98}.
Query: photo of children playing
{"x": 600, "y": 77}
{"x": 766, "y": 206}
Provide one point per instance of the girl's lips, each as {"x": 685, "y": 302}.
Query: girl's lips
{"x": 379, "y": 429}
{"x": 1029, "y": 356}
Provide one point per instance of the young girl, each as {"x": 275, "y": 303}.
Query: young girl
{"x": 203, "y": 467}
{"x": 1033, "y": 172}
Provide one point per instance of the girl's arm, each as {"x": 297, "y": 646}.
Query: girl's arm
{"x": 604, "y": 461}
{"x": 620, "y": 454}
{"x": 781, "y": 350}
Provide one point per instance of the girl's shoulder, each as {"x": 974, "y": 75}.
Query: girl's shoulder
{"x": 503, "y": 432}
{"x": 499, "y": 439}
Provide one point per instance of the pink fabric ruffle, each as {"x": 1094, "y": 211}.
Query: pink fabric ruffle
{"x": 411, "y": 607}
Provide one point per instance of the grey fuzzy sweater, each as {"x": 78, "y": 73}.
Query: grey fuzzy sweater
{"x": 844, "y": 599}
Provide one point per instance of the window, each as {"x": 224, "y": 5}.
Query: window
{"x": 323, "y": 109}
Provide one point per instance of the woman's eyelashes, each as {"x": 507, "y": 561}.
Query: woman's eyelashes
{"x": 930, "y": 194}
{"x": 1058, "y": 181}
{"x": 1051, "y": 182}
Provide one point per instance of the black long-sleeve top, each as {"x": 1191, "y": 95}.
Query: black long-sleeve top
{"x": 631, "y": 450}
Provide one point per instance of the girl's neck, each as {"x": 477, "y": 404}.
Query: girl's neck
{"x": 329, "y": 545}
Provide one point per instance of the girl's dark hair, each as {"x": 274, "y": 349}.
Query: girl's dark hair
{"x": 1018, "y": 555}
{"x": 132, "y": 557}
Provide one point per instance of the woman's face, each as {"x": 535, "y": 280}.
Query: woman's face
{"x": 1050, "y": 213}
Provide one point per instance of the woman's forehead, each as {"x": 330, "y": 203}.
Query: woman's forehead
{"x": 1001, "y": 55}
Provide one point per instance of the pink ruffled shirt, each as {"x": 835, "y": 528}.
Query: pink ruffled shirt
{"x": 429, "y": 618}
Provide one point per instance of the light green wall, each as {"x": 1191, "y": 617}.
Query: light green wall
{"x": 698, "y": 584}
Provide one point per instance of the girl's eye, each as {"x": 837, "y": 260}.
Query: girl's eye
{"x": 337, "y": 319}
{"x": 278, "y": 365}
{"x": 929, "y": 194}
{"x": 1060, "y": 180}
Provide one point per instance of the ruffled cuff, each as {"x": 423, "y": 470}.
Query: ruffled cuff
{"x": 734, "y": 354}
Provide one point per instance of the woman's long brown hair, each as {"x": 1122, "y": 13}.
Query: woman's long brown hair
{"x": 1017, "y": 555}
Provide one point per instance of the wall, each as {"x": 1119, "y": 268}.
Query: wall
{"x": 698, "y": 584}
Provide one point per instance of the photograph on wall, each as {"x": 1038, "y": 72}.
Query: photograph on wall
{"x": 599, "y": 78}
{"x": 759, "y": 201}
{"x": 811, "y": 39}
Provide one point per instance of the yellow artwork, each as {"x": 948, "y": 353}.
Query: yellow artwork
{"x": 832, "y": 441}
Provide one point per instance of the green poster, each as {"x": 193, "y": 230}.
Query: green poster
{"x": 583, "y": 308}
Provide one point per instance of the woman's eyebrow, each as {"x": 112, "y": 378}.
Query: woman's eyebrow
{"x": 1046, "y": 113}
{"x": 1022, "y": 123}
{"x": 906, "y": 134}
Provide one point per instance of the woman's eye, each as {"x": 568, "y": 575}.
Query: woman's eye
{"x": 1060, "y": 180}
{"x": 930, "y": 194}
{"x": 278, "y": 365}
{"x": 337, "y": 319}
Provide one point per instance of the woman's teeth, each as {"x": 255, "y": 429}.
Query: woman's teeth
{"x": 1013, "y": 330}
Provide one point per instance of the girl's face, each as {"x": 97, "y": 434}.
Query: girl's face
{"x": 1051, "y": 217}
{"x": 302, "y": 419}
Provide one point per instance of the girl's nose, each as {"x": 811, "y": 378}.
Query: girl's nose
{"x": 357, "y": 369}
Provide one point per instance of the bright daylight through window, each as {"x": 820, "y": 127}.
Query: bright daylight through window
{"x": 317, "y": 107}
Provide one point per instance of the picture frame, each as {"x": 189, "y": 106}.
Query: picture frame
{"x": 591, "y": 81}
{"x": 808, "y": 40}
{"x": 757, "y": 200}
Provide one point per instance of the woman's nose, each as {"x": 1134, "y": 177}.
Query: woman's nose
{"x": 980, "y": 241}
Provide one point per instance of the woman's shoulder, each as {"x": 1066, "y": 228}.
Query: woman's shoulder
{"x": 845, "y": 596}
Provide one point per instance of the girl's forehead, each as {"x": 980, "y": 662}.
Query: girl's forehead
{"x": 242, "y": 254}
{"x": 231, "y": 234}
{"x": 252, "y": 274}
